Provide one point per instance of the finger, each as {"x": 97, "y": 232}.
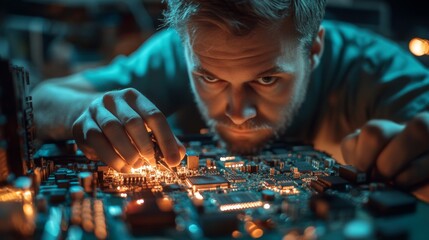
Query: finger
{"x": 369, "y": 142}
{"x": 114, "y": 131}
{"x": 374, "y": 137}
{"x": 422, "y": 193}
{"x": 406, "y": 146}
{"x": 415, "y": 173}
{"x": 94, "y": 138}
{"x": 182, "y": 149}
{"x": 348, "y": 147}
{"x": 157, "y": 122}
{"x": 136, "y": 130}
{"x": 77, "y": 131}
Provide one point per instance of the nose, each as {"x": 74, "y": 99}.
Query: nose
{"x": 240, "y": 106}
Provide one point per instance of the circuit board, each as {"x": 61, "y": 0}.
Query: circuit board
{"x": 288, "y": 191}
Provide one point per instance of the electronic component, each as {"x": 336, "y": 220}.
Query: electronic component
{"x": 192, "y": 160}
{"x": 208, "y": 182}
{"x": 351, "y": 174}
{"x": 237, "y": 201}
{"x": 16, "y": 122}
{"x": 149, "y": 214}
{"x": 391, "y": 202}
{"x": 334, "y": 182}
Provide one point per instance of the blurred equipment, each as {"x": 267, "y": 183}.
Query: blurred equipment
{"x": 16, "y": 122}
{"x": 59, "y": 37}
{"x": 17, "y": 213}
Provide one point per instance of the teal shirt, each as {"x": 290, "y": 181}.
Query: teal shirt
{"x": 361, "y": 76}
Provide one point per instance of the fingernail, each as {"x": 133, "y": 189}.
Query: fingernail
{"x": 173, "y": 160}
{"x": 126, "y": 169}
{"x": 138, "y": 163}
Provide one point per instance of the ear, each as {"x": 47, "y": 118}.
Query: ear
{"x": 316, "y": 49}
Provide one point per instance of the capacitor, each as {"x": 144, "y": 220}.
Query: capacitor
{"x": 85, "y": 180}
{"x": 268, "y": 195}
{"x": 192, "y": 160}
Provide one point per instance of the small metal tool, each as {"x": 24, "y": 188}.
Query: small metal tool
{"x": 159, "y": 157}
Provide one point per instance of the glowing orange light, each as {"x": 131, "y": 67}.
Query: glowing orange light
{"x": 257, "y": 233}
{"x": 140, "y": 201}
{"x": 419, "y": 46}
{"x": 28, "y": 209}
{"x": 198, "y": 195}
{"x": 236, "y": 234}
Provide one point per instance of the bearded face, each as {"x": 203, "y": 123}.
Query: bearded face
{"x": 248, "y": 88}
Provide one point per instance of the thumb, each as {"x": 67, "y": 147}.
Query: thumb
{"x": 348, "y": 147}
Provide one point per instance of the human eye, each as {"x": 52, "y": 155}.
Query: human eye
{"x": 266, "y": 81}
{"x": 208, "y": 78}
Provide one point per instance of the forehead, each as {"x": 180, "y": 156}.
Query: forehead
{"x": 209, "y": 42}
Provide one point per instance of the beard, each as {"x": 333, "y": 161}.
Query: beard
{"x": 259, "y": 130}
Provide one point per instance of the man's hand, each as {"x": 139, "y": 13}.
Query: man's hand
{"x": 115, "y": 129}
{"x": 393, "y": 152}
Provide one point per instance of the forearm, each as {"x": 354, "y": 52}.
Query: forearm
{"x": 56, "y": 107}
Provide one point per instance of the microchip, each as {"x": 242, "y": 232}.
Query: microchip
{"x": 237, "y": 201}
{"x": 352, "y": 174}
{"x": 171, "y": 187}
{"x": 236, "y": 179}
{"x": 269, "y": 183}
{"x": 334, "y": 182}
{"x": 208, "y": 182}
{"x": 304, "y": 167}
{"x": 287, "y": 185}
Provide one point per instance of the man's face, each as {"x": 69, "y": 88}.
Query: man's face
{"x": 248, "y": 88}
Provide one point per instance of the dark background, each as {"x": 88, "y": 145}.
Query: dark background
{"x": 53, "y": 38}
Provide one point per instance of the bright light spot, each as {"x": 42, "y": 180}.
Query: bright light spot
{"x": 267, "y": 206}
{"x": 115, "y": 210}
{"x": 27, "y": 195}
{"x": 227, "y": 158}
{"x": 419, "y": 46}
{"x": 123, "y": 195}
{"x": 193, "y": 228}
{"x": 140, "y": 201}
{"x": 257, "y": 233}
{"x": 358, "y": 229}
{"x": 236, "y": 234}
{"x": 28, "y": 210}
{"x": 118, "y": 188}
{"x": 198, "y": 195}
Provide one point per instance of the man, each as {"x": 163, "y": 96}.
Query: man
{"x": 253, "y": 69}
